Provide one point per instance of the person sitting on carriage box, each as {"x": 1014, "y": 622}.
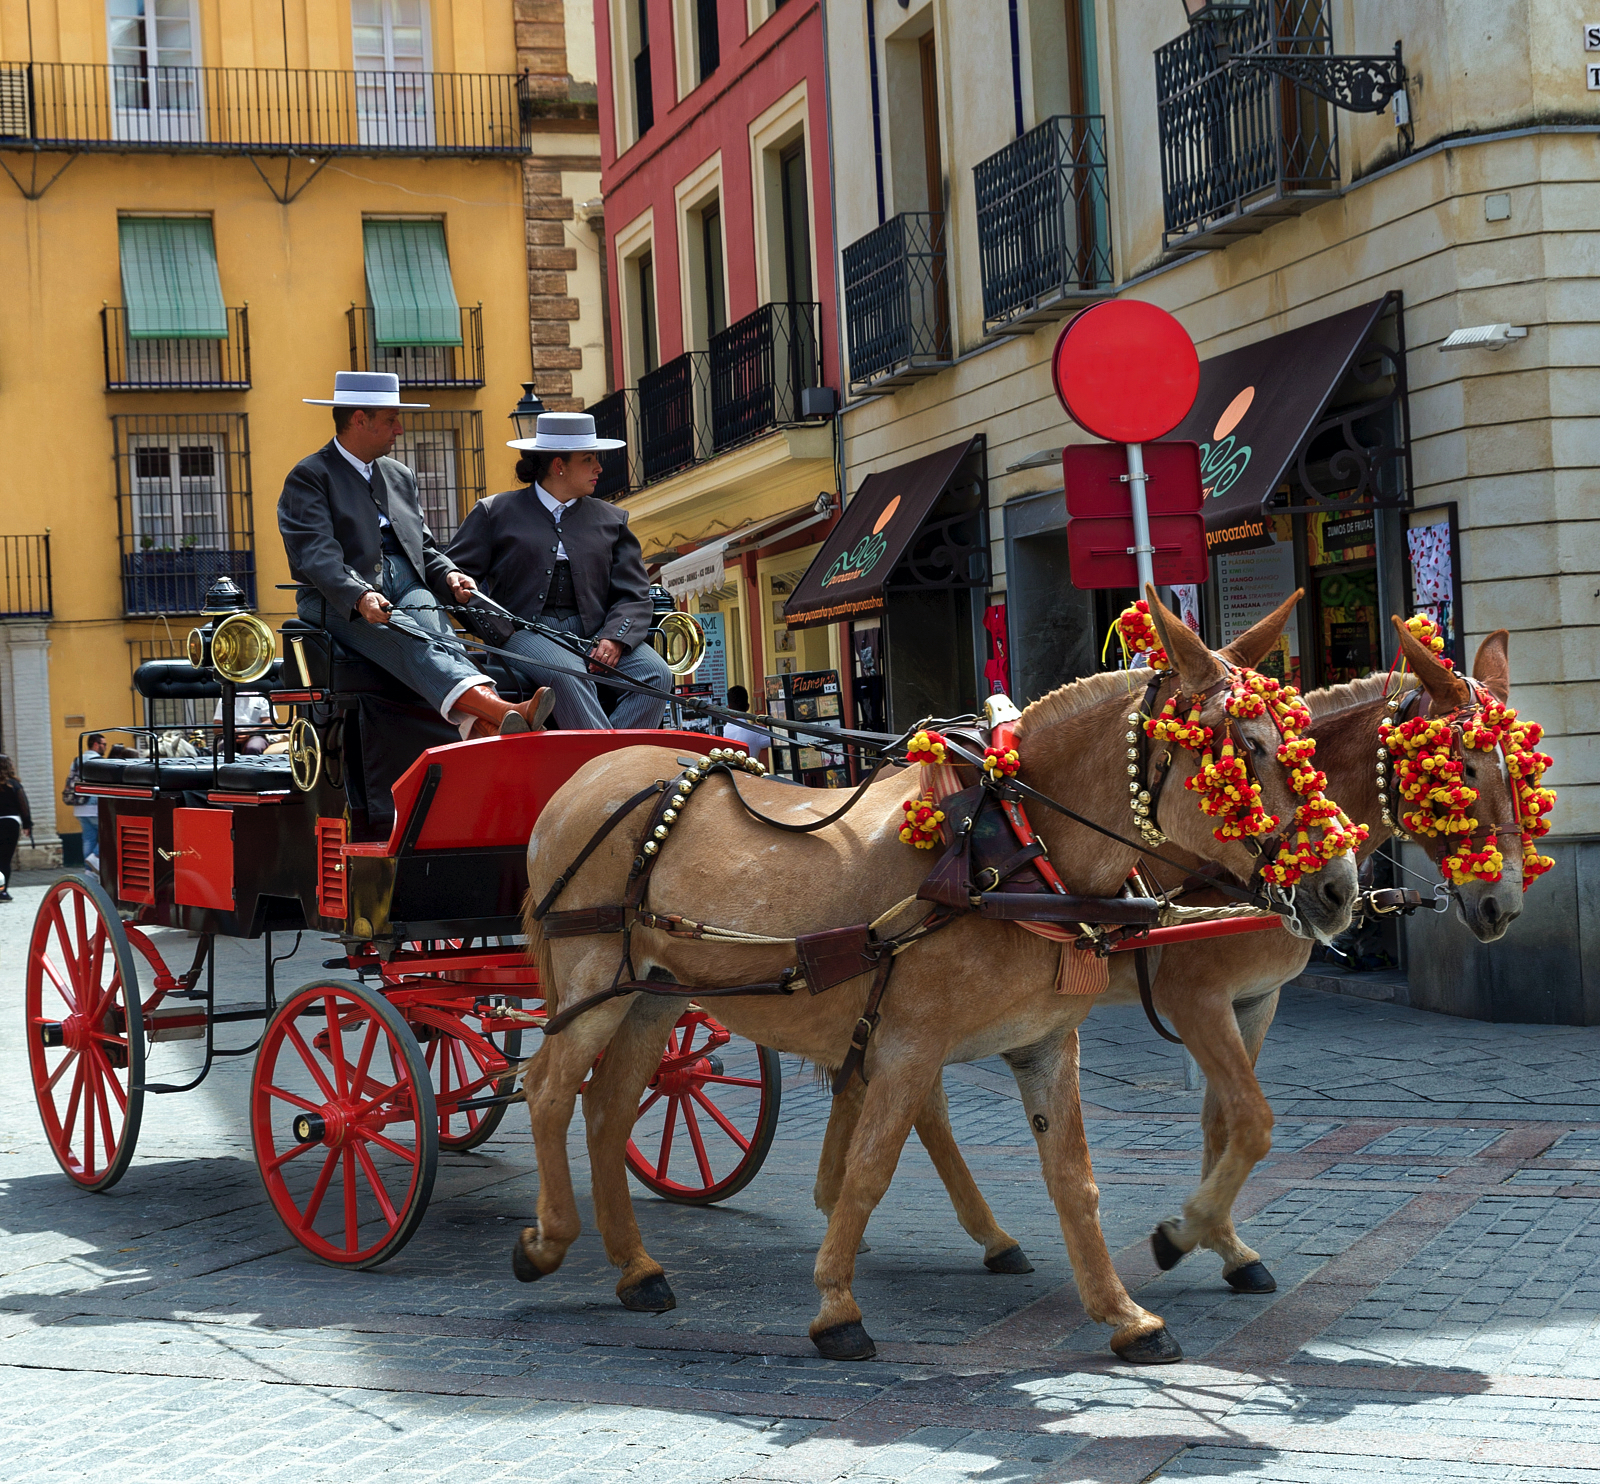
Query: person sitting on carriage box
{"x": 369, "y": 567}
{"x": 552, "y": 552}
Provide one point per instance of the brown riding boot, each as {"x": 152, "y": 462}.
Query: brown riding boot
{"x": 494, "y": 715}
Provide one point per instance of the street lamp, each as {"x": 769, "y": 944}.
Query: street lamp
{"x": 525, "y": 415}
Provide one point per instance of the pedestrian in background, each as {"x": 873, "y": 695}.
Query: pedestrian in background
{"x": 85, "y": 807}
{"x": 756, "y": 743}
{"x": 15, "y": 817}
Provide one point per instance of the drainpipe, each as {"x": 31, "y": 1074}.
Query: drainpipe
{"x": 877, "y": 123}
{"x": 1016, "y": 68}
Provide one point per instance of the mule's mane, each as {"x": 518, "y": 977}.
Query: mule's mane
{"x": 1333, "y": 698}
{"x": 1067, "y": 701}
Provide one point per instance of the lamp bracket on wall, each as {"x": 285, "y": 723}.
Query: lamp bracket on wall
{"x": 1355, "y": 84}
{"x": 288, "y": 191}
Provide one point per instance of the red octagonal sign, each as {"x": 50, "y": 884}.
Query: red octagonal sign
{"x": 1126, "y": 371}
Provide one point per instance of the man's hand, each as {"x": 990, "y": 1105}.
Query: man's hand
{"x": 608, "y": 652}
{"x": 374, "y": 607}
{"x": 461, "y": 586}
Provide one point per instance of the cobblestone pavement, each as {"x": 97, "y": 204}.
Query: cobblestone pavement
{"x": 1431, "y": 1210}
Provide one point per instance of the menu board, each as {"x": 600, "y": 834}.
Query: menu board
{"x": 1250, "y": 584}
{"x": 713, "y": 669}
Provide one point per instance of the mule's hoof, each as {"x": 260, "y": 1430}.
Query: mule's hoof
{"x": 653, "y": 1295}
{"x": 521, "y": 1264}
{"x": 845, "y": 1342}
{"x": 1156, "y": 1348}
{"x": 1012, "y": 1260}
{"x": 1167, "y": 1253}
{"x": 1253, "y": 1277}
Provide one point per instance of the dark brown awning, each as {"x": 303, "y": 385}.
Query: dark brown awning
{"x": 847, "y": 577}
{"x": 1257, "y": 404}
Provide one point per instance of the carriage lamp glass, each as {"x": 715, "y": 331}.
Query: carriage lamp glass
{"x": 525, "y": 415}
{"x": 197, "y": 648}
{"x": 243, "y": 648}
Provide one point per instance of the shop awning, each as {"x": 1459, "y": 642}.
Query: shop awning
{"x": 698, "y": 572}
{"x": 408, "y": 279}
{"x": 848, "y": 576}
{"x": 169, "y": 279}
{"x": 1257, "y": 404}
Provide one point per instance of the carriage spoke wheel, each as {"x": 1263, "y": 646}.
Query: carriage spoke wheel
{"x": 459, "y": 1070}
{"x": 343, "y": 1118}
{"x": 708, "y": 1116}
{"x": 85, "y": 1032}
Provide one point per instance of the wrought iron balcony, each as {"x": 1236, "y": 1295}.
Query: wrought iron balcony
{"x": 252, "y": 110}
{"x": 617, "y": 416}
{"x": 759, "y": 367}
{"x": 175, "y": 365}
{"x": 896, "y": 308}
{"x": 674, "y": 415}
{"x": 1240, "y": 145}
{"x": 25, "y": 586}
{"x": 1044, "y": 221}
{"x": 419, "y": 365}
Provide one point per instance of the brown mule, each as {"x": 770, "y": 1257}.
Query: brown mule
{"x": 977, "y": 988}
{"x": 1220, "y": 994}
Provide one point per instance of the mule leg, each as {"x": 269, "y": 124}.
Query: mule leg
{"x": 888, "y": 1107}
{"x": 1002, "y": 1253}
{"x": 1047, "y": 1074}
{"x": 843, "y": 1115}
{"x": 550, "y": 1086}
{"x": 1238, "y": 1136}
{"x": 610, "y": 1109}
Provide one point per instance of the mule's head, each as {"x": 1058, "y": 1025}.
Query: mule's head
{"x": 1487, "y": 907}
{"x": 1324, "y": 899}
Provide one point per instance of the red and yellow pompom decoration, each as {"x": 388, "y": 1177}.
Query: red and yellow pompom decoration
{"x": 1228, "y": 793}
{"x": 1427, "y": 633}
{"x": 1137, "y": 631}
{"x": 1000, "y": 762}
{"x": 926, "y": 748}
{"x": 923, "y": 818}
{"x": 1435, "y": 800}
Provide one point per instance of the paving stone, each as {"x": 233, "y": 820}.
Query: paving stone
{"x": 1432, "y": 1143}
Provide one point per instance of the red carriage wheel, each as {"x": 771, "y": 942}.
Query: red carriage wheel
{"x": 708, "y": 1115}
{"x": 464, "y": 1069}
{"x": 345, "y": 1129}
{"x": 85, "y": 1032}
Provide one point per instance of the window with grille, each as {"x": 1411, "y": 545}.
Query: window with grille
{"x": 445, "y": 451}
{"x": 183, "y": 509}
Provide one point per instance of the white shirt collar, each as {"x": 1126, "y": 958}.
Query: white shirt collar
{"x": 557, "y": 508}
{"x": 364, "y": 470}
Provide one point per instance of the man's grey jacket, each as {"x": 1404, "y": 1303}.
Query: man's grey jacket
{"x": 329, "y": 522}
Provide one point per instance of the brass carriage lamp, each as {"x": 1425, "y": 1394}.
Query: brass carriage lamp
{"x": 525, "y": 415}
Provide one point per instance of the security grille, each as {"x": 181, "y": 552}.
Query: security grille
{"x": 445, "y": 451}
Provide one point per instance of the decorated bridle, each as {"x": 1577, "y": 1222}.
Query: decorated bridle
{"x": 1229, "y": 791}
{"x": 1421, "y": 789}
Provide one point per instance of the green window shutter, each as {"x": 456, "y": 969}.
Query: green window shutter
{"x": 408, "y": 279}
{"x": 169, "y": 279}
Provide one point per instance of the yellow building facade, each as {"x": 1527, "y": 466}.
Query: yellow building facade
{"x": 213, "y": 206}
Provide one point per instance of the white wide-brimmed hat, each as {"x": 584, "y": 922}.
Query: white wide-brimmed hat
{"x": 364, "y": 389}
{"x": 565, "y": 432}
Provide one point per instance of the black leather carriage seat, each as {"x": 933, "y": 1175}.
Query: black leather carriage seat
{"x": 267, "y": 773}
{"x": 333, "y": 667}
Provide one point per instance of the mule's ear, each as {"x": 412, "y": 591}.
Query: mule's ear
{"x": 1491, "y": 666}
{"x": 1262, "y": 636}
{"x": 1194, "y": 664}
{"x": 1445, "y": 688}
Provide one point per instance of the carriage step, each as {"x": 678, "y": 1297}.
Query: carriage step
{"x": 188, "y": 1022}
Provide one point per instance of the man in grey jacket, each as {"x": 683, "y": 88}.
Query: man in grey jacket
{"x": 371, "y": 571}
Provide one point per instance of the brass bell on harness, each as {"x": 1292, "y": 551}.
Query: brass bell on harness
{"x": 650, "y": 847}
{"x": 660, "y": 832}
{"x": 669, "y": 816}
{"x": 679, "y": 800}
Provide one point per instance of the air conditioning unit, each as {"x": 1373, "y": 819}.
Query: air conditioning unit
{"x": 14, "y": 112}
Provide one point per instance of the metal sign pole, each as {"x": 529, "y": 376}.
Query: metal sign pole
{"x": 1141, "y": 550}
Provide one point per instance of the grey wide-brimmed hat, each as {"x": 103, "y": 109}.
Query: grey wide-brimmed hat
{"x": 565, "y": 432}
{"x": 364, "y": 389}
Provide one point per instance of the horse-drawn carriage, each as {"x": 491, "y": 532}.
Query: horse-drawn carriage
{"x": 382, "y": 832}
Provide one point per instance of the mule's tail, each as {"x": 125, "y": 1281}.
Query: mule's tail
{"x": 538, "y": 946}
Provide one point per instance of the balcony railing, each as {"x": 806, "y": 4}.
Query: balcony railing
{"x": 617, "y": 416}
{"x": 895, "y": 301}
{"x": 1242, "y": 147}
{"x": 175, "y": 365}
{"x": 759, "y": 367}
{"x": 1044, "y": 235}
{"x": 674, "y": 401}
{"x": 420, "y": 365}
{"x": 25, "y": 587}
{"x": 248, "y": 110}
